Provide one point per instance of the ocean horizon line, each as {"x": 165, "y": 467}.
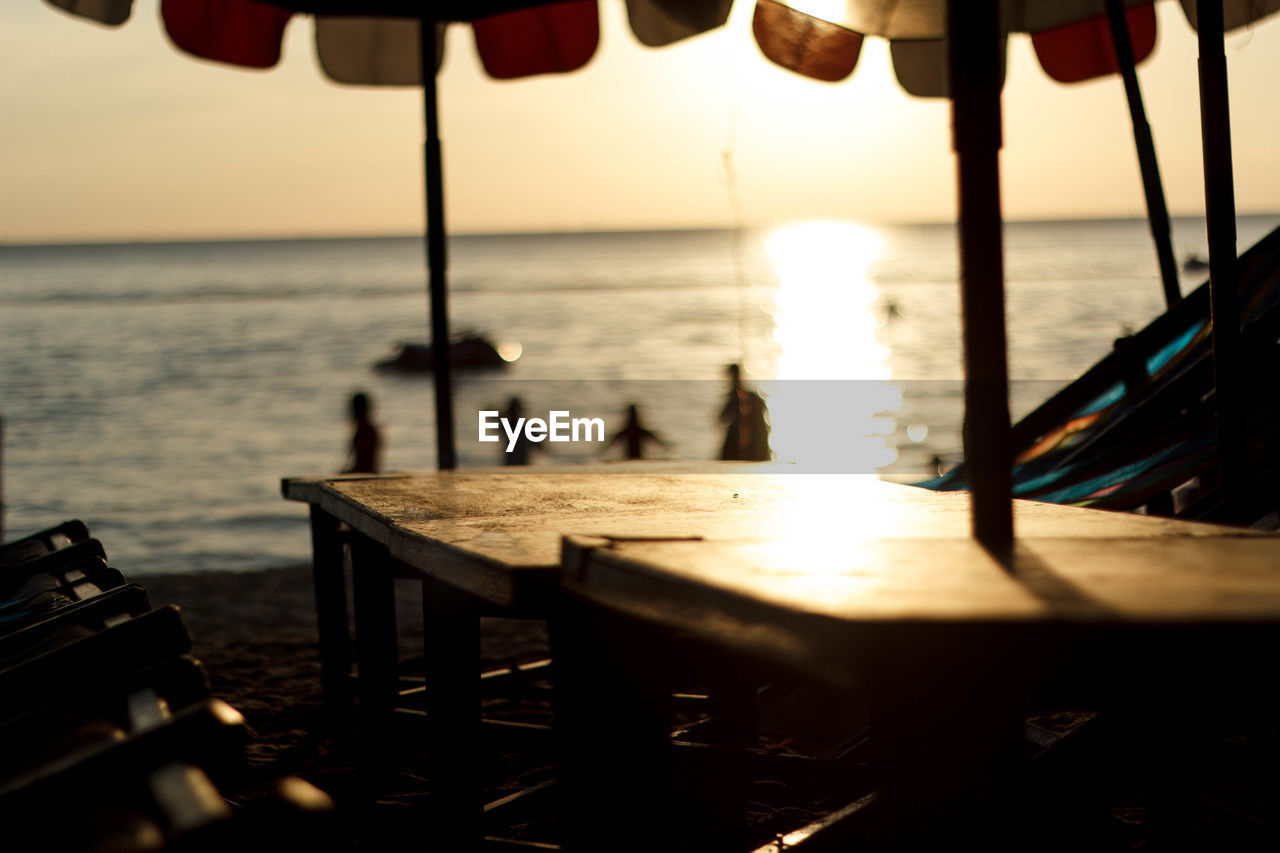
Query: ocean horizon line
{"x": 232, "y": 240}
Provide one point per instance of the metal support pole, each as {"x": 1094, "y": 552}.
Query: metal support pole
{"x": 1157, "y": 212}
{"x": 974, "y": 58}
{"x": 437, "y": 262}
{"x": 1220, "y": 213}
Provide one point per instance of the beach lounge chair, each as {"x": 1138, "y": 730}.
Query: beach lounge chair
{"x": 47, "y": 662}
{"x": 141, "y": 755}
{"x": 153, "y": 770}
{"x": 53, "y": 580}
{"x": 72, "y": 555}
{"x": 26, "y": 585}
{"x": 1140, "y": 423}
{"x": 42, "y": 736}
{"x": 44, "y": 542}
{"x": 113, "y": 740}
{"x": 180, "y": 681}
{"x": 44, "y": 595}
{"x": 59, "y": 602}
{"x": 92, "y": 614}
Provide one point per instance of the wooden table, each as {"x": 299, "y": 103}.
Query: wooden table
{"x": 494, "y": 534}
{"x": 878, "y": 588}
{"x": 811, "y": 571}
{"x": 487, "y": 542}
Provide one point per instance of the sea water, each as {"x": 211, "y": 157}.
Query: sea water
{"x": 160, "y": 391}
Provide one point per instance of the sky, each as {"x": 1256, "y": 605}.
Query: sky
{"x": 112, "y": 134}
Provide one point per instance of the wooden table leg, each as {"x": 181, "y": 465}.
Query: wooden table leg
{"x": 452, "y": 643}
{"x": 373, "y": 585}
{"x": 331, "y": 613}
{"x": 946, "y": 713}
{"x": 733, "y": 693}
{"x": 613, "y": 724}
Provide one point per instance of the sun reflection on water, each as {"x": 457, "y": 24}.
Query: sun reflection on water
{"x": 828, "y": 406}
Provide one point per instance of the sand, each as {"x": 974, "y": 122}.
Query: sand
{"x": 255, "y": 634}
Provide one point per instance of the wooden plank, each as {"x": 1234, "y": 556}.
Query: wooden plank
{"x": 1202, "y": 580}
{"x": 836, "y": 577}
{"x": 1185, "y": 580}
{"x": 826, "y": 604}
{"x": 493, "y": 532}
{"x": 820, "y": 832}
{"x": 937, "y": 629}
{"x": 829, "y": 620}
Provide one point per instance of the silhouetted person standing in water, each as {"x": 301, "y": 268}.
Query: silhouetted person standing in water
{"x": 746, "y": 436}
{"x": 634, "y": 435}
{"x": 366, "y": 443}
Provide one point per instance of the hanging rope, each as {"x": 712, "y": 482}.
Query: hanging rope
{"x": 739, "y": 271}
{"x": 735, "y": 200}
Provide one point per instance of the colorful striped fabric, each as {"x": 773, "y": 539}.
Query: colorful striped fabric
{"x": 1130, "y": 442}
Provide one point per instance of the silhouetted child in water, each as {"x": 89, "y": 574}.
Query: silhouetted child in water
{"x": 634, "y": 435}
{"x": 746, "y": 436}
{"x": 366, "y": 443}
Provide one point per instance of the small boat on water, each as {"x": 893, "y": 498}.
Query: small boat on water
{"x": 1194, "y": 263}
{"x": 466, "y": 352}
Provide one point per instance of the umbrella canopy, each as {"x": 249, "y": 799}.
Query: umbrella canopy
{"x": 938, "y": 49}
{"x": 376, "y": 42}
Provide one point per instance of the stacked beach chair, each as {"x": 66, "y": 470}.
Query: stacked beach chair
{"x": 108, "y": 735}
{"x": 1138, "y": 429}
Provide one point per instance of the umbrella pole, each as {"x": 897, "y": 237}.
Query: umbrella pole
{"x": 1220, "y": 215}
{"x": 437, "y": 260}
{"x": 1157, "y": 212}
{"x": 974, "y": 58}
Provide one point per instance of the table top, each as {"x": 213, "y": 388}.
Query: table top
{"x": 495, "y": 532}
{"x": 830, "y": 596}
